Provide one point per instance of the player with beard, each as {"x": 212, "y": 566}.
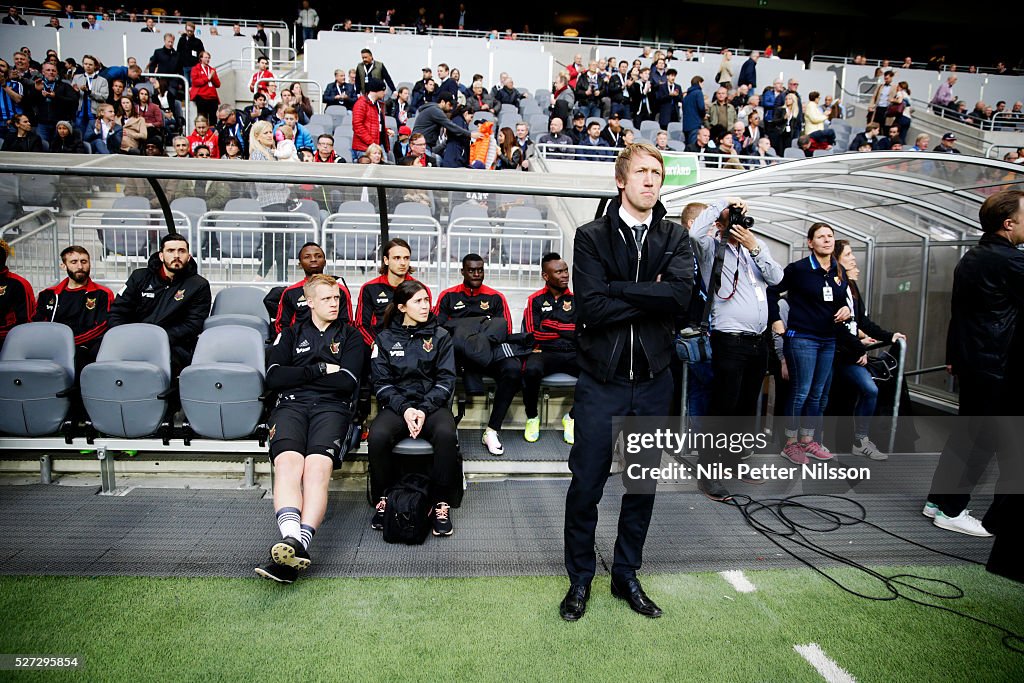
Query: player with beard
{"x": 168, "y": 292}
{"x": 79, "y": 303}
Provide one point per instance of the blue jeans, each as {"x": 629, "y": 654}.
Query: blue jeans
{"x": 691, "y": 136}
{"x": 356, "y": 154}
{"x": 810, "y": 373}
{"x": 589, "y": 110}
{"x": 858, "y": 378}
{"x": 47, "y": 131}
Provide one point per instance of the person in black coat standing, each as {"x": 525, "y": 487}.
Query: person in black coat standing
{"x": 189, "y": 49}
{"x": 983, "y": 350}
{"x": 632, "y": 275}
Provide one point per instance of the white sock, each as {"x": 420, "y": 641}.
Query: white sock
{"x": 288, "y": 521}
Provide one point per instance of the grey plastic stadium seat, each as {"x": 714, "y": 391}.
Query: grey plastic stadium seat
{"x": 38, "y": 190}
{"x": 472, "y": 218}
{"x": 649, "y": 129}
{"x": 517, "y": 249}
{"x": 823, "y": 152}
{"x": 793, "y": 153}
{"x": 124, "y": 229}
{"x": 240, "y": 306}
{"x": 317, "y": 129}
{"x": 193, "y": 208}
{"x": 538, "y": 124}
{"x": 325, "y": 120}
{"x": 558, "y": 380}
{"x": 413, "y": 222}
{"x": 600, "y": 121}
{"x": 8, "y": 198}
{"x": 220, "y": 391}
{"x": 37, "y": 364}
{"x": 336, "y": 112}
{"x": 123, "y": 390}
{"x": 243, "y": 214}
{"x": 356, "y": 246}
{"x": 410, "y": 446}
{"x": 677, "y": 145}
{"x": 674, "y": 126}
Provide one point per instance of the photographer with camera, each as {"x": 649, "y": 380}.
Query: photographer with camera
{"x": 741, "y": 270}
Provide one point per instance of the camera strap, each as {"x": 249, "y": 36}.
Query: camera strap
{"x": 714, "y": 284}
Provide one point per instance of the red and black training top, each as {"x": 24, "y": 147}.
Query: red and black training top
{"x": 462, "y": 302}
{"x": 17, "y": 302}
{"x": 292, "y": 309}
{"x": 552, "y": 320}
{"x": 374, "y": 297}
{"x": 83, "y": 309}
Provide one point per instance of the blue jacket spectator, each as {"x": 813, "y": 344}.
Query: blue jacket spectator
{"x": 694, "y": 110}
{"x": 748, "y": 72}
{"x": 105, "y": 144}
{"x": 332, "y": 91}
{"x": 302, "y": 136}
{"x": 592, "y": 139}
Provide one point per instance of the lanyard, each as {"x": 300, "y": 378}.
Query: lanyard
{"x": 740, "y": 261}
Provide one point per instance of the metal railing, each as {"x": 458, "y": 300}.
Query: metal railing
{"x": 536, "y": 37}
{"x": 246, "y": 247}
{"x": 711, "y": 159}
{"x": 512, "y": 247}
{"x": 317, "y": 102}
{"x": 37, "y": 259}
{"x": 352, "y": 242}
{"x": 252, "y": 49}
{"x": 160, "y": 18}
{"x": 121, "y": 240}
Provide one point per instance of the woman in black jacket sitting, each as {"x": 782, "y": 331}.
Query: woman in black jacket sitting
{"x": 413, "y": 371}
{"x": 23, "y": 139}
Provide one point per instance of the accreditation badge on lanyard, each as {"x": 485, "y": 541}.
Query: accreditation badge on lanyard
{"x": 826, "y": 291}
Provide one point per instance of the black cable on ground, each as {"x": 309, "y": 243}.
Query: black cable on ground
{"x": 781, "y": 527}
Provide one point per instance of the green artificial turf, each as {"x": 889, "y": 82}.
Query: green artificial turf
{"x": 496, "y": 629}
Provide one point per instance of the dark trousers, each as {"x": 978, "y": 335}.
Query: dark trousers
{"x": 968, "y": 450}
{"x": 439, "y": 429}
{"x": 590, "y": 459}
{"x": 739, "y": 363}
{"x": 507, "y": 376}
{"x": 539, "y": 365}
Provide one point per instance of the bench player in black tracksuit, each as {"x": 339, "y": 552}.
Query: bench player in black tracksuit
{"x": 376, "y": 294}
{"x": 413, "y": 369}
{"x": 170, "y": 293}
{"x": 474, "y": 299}
{"x": 550, "y": 316}
{"x": 314, "y": 368}
{"x": 17, "y": 304}
{"x": 79, "y": 303}
{"x": 292, "y": 307}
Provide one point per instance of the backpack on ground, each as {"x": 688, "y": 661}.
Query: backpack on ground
{"x": 407, "y": 516}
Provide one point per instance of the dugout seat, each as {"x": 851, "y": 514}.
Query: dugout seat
{"x": 37, "y": 372}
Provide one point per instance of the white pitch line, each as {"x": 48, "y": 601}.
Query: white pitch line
{"x": 738, "y": 580}
{"x": 829, "y": 670}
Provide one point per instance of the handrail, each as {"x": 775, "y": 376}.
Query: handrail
{"x": 184, "y": 80}
{"x": 18, "y": 221}
{"x": 269, "y": 51}
{"x": 894, "y": 64}
{"x": 283, "y": 79}
{"x": 925, "y": 371}
{"x": 536, "y": 37}
{"x": 1015, "y": 121}
{"x": 711, "y": 159}
{"x": 159, "y": 18}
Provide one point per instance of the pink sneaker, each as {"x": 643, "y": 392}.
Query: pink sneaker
{"x": 794, "y": 452}
{"x": 817, "y": 451}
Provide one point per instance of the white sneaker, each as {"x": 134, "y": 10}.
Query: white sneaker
{"x": 929, "y": 510}
{"x": 867, "y": 447}
{"x": 962, "y": 523}
{"x": 493, "y": 443}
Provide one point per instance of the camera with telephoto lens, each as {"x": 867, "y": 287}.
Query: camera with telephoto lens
{"x": 737, "y": 217}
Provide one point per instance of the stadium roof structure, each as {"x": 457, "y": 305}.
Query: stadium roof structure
{"x": 877, "y": 197}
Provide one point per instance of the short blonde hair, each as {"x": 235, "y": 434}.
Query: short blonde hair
{"x": 626, "y": 156}
{"x": 309, "y": 289}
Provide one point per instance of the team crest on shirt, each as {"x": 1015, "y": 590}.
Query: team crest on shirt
{"x": 3, "y": 290}
{"x": 567, "y": 305}
{"x": 90, "y": 304}
{"x": 179, "y": 295}
{"x": 485, "y": 305}
{"x": 428, "y": 344}
{"x": 335, "y": 347}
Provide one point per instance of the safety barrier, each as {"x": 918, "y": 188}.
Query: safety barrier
{"x": 238, "y": 247}
{"x": 352, "y": 243}
{"x": 512, "y": 247}
{"x": 121, "y": 240}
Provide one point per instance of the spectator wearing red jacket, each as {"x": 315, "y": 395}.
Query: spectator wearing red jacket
{"x": 368, "y": 123}
{"x": 205, "y": 82}
{"x": 204, "y": 135}
{"x": 262, "y": 71}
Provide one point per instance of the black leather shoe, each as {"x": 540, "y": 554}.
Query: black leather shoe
{"x": 632, "y": 592}
{"x": 574, "y": 604}
{"x": 713, "y": 489}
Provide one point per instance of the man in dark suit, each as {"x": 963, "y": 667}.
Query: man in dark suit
{"x": 632, "y": 274}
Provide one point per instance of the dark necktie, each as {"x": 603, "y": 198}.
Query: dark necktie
{"x": 638, "y": 235}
